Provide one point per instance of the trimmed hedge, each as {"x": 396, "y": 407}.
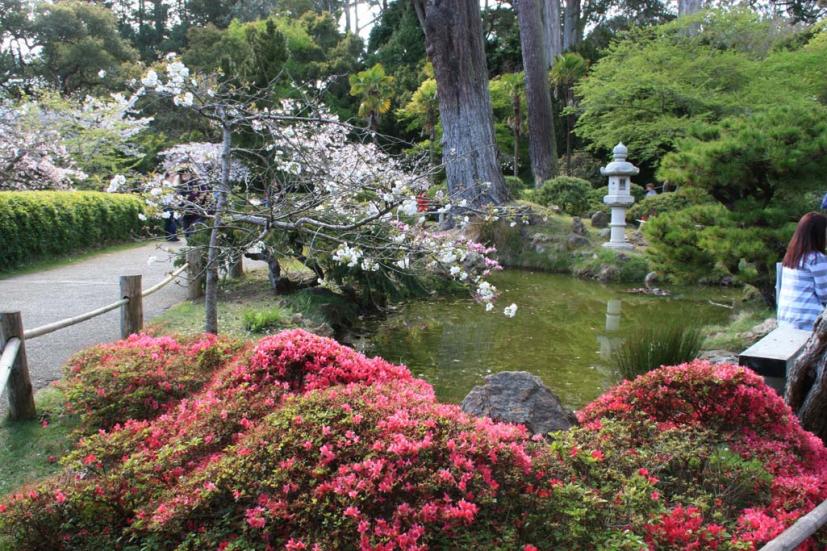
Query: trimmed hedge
{"x": 570, "y": 194}
{"x": 39, "y": 224}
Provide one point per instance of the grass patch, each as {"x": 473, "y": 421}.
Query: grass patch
{"x": 652, "y": 347}
{"x": 248, "y": 307}
{"x": 262, "y": 321}
{"x": 71, "y": 258}
{"x": 236, "y": 298}
{"x": 27, "y": 446}
{"x": 735, "y": 335}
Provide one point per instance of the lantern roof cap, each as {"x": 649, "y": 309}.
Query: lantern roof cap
{"x": 619, "y": 166}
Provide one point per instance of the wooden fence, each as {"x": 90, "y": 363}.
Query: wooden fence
{"x": 14, "y": 369}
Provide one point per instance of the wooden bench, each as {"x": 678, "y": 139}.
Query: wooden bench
{"x": 774, "y": 354}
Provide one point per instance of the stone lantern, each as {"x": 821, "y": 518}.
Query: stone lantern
{"x": 620, "y": 197}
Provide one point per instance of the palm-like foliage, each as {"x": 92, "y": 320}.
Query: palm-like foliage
{"x": 422, "y": 112}
{"x": 567, "y": 70}
{"x": 375, "y": 90}
{"x": 515, "y": 86}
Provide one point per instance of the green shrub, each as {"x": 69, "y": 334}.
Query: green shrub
{"x": 675, "y": 242}
{"x": 667, "y": 202}
{"x": 515, "y": 186}
{"x": 40, "y": 224}
{"x": 652, "y": 347}
{"x": 572, "y": 195}
{"x": 261, "y": 321}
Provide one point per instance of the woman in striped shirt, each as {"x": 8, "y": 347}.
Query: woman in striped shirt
{"x": 804, "y": 274}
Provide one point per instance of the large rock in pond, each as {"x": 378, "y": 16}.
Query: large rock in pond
{"x": 519, "y": 397}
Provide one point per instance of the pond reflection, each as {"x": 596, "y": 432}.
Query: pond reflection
{"x": 610, "y": 340}
{"x": 564, "y": 332}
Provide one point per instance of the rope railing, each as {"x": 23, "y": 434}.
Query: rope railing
{"x": 68, "y": 322}
{"x": 164, "y": 281}
{"x": 7, "y": 360}
{"x": 14, "y": 371}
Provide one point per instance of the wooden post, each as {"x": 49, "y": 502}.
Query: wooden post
{"x": 195, "y": 274}
{"x": 19, "y": 387}
{"x": 132, "y": 313}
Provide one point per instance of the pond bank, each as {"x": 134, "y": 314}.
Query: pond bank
{"x": 551, "y": 242}
{"x": 564, "y": 331}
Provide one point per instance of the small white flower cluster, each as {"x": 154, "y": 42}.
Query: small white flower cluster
{"x": 510, "y": 311}
{"x": 458, "y": 273}
{"x": 370, "y": 265}
{"x": 408, "y": 207}
{"x": 486, "y": 294}
{"x": 347, "y": 255}
{"x": 183, "y": 100}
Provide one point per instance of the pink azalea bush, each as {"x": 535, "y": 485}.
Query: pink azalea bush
{"x": 744, "y": 414}
{"x": 139, "y": 377}
{"x": 301, "y": 443}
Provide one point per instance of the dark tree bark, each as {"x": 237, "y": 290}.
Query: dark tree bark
{"x": 806, "y": 391}
{"x": 453, "y": 42}
{"x": 515, "y": 128}
{"x": 553, "y": 31}
{"x": 211, "y": 285}
{"x": 541, "y": 143}
{"x": 571, "y": 25}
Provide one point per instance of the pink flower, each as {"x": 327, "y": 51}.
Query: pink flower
{"x": 254, "y": 517}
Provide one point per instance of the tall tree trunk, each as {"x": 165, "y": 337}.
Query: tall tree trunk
{"x": 347, "y": 16}
{"x": 688, "y": 7}
{"x": 569, "y": 126}
{"x": 516, "y": 130}
{"x": 356, "y": 17}
{"x": 806, "y": 391}
{"x": 553, "y": 37}
{"x": 432, "y": 144}
{"x": 211, "y": 286}
{"x": 453, "y": 41}
{"x": 571, "y": 25}
{"x": 541, "y": 145}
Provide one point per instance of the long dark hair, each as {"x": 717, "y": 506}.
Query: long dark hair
{"x": 810, "y": 236}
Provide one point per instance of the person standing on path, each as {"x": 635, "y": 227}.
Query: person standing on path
{"x": 803, "y": 292}
{"x": 169, "y": 215}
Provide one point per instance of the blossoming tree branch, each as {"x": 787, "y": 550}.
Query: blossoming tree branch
{"x": 289, "y": 180}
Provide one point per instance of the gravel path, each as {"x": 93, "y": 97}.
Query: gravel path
{"x": 65, "y": 291}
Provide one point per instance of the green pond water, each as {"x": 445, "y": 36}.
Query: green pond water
{"x": 563, "y": 332}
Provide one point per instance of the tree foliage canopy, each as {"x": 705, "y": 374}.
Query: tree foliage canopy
{"x": 656, "y": 83}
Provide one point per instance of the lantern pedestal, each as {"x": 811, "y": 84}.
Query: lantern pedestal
{"x": 619, "y": 196}
{"x": 617, "y": 239}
